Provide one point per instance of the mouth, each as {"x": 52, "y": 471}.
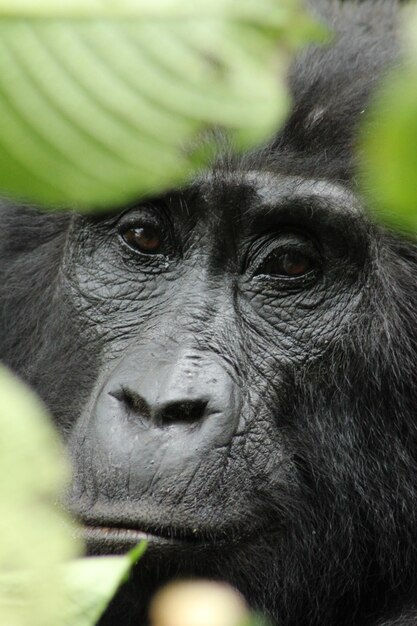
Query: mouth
{"x": 117, "y": 539}
{"x": 110, "y": 534}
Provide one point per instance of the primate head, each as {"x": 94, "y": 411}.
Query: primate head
{"x": 233, "y": 364}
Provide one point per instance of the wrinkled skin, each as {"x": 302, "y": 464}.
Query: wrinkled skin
{"x": 232, "y": 365}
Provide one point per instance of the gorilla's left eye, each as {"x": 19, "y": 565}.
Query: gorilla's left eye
{"x": 291, "y": 264}
{"x": 289, "y": 257}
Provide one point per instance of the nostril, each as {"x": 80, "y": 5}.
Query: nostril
{"x": 133, "y": 402}
{"x": 177, "y": 411}
{"x": 185, "y": 411}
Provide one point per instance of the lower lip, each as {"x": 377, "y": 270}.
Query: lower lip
{"x": 116, "y": 540}
{"x": 114, "y": 534}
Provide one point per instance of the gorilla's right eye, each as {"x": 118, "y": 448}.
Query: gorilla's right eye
{"x": 143, "y": 238}
{"x": 144, "y": 231}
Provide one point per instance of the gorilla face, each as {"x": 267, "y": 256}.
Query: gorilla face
{"x": 233, "y": 365}
{"x": 210, "y": 308}
{"x": 208, "y": 304}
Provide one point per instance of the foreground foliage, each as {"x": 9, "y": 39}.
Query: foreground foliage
{"x": 101, "y": 101}
{"x": 389, "y": 142}
{"x": 37, "y": 584}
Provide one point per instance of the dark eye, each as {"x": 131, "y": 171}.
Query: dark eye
{"x": 290, "y": 264}
{"x": 146, "y": 239}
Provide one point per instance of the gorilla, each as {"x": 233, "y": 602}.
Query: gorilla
{"x": 233, "y": 364}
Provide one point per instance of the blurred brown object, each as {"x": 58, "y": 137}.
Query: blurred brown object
{"x": 198, "y": 603}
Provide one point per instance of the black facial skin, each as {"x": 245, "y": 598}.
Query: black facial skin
{"x": 176, "y": 400}
{"x": 233, "y": 365}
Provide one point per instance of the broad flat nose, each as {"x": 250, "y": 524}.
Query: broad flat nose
{"x": 186, "y": 387}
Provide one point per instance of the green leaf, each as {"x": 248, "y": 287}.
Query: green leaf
{"x": 251, "y": 10}
{"x": 35, "y": 535}
{"x": 86, "y": 586}
{"x": 256, "y": 619}
{"x": 92, "y": 582}
{"x": 39, "y": 586}
{"x": 102, "y": 101}
{"x": 389, "y": 142}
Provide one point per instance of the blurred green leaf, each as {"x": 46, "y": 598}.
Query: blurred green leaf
{"x": 256, "y": 619}
{"x": 92, "y": 582}
{"x": 38, "y": 584}
{"x": 35, "y": 536}
{"x": 101, "y": 100}
{"x": 389, "y": 141}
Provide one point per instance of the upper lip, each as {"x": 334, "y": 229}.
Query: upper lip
{"x": 116, "y": 529}
{"x": 137, "y": 532}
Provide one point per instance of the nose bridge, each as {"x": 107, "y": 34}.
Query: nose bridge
{"x": 198, "y": 301}
{"x": 184, "y": 375}
{"x": 180, "y": 351}
{"x": 204, "y": 320}
{"x": 176, "y": 386}
{"x": 187, "y": 375}
{"x": 203, "y": 295}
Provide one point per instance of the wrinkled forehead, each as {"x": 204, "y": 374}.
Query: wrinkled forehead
{"x": 273, "y": 189}
{"x": 254, "y": 196}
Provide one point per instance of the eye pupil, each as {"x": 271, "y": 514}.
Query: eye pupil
{"x": 144, "y": 238}
{"x": 295, "y": 264}
{"x": 288, "y": 264}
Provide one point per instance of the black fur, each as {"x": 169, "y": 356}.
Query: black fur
{"x": 310, "y": 507}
